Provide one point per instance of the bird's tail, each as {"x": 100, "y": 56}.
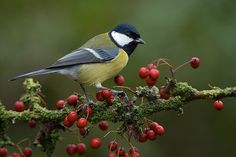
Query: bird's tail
{"x": 34, "y": 73}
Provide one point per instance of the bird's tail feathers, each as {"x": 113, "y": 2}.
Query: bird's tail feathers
{"x": 34, "y": 73}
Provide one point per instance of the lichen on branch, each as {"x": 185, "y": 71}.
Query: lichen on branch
{"x": 126, "y": 110}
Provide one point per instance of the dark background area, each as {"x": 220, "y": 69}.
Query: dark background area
{"x": 33, "y": 34}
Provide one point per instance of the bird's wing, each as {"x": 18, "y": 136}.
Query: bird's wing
{"x": 85, "y": 56}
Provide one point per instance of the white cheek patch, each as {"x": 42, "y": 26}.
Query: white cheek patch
{"x": 121, "y": 39}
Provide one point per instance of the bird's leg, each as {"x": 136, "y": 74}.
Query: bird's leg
{"x": 85, "y": 93}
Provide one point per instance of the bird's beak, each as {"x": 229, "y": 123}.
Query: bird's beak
{"x": 140, "y": 41}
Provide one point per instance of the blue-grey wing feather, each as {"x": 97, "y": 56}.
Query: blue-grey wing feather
{"x": 85, "y": 56}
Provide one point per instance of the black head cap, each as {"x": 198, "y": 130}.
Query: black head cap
{"x": 130, "y": 31}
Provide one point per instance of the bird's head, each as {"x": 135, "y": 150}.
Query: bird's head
{"x": 126, "y": 36}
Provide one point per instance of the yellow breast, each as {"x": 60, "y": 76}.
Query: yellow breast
{"x": 92, "y": 74}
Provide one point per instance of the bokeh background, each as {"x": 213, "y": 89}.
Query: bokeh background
{"x": 33, "y": 34}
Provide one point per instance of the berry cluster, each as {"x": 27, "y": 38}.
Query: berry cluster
{"x": 151, "y": 132}
{"x": 150, "y": 74}
{"x": 105, "y": 95}
{"x": 116, "y": 150}
{"x": 26, "y": 152}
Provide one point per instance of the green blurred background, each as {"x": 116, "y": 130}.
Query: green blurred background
{"x": 33, "y": 34}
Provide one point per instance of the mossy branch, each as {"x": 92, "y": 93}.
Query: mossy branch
{"x": 125, "y": 110}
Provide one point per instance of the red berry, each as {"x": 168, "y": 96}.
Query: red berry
{"x": 132, "y": 150}
{"x": 218, "y": 105}
{"x": 111, "y": 155}
{"x": 71, "y": 149}
{"x": 142, "y": 138}
{"x": 95, "y": 143}
{"x": 110, "y": 100}
{"x": 154, "y": 126}
{"x": 82, "y": 122}
{"x": 72, "y": 100}
{"x": 81, "y": 148}
{"x": 3, "y": 152}
{"x": 106, "y": 93}
{"x": 103, "y": 125}
{"x": 126, "y": 155}
{"x": 112, "y": 145}
{"x": 27, "y": 151}
{"x": 120, "y": 151}
{"x": 154, "y": 74}
{"x": 119, "y": 80}
{"x": 72, "y": 117}
{"x": 60, "y": 104}
{"x": 143, "y": 72}
{"x": 99, "y": 96}
{"x": 19, "y": 106}
{"x": 32, "y": 123}
{"x": 164, "y": 93}
{"x": 135, "y": 154}
{"x": 82, "y": 131}
{"x": 150, "y": 81}
{"x": 151, "y": 66}
{"x": 67, "y": 123}
{"x": 160, "y": 130}
{"x": 15, "y": 155}
{"x": 146, "y": 130}
{"x": 89, "y": 110}
{"x": 151, "y": 135}
{"x": 195, "y": 62}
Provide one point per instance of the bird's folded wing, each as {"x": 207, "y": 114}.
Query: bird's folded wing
{"x": 85, "y": 56}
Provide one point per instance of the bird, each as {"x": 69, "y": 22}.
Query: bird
{"x": 98, "y": 59}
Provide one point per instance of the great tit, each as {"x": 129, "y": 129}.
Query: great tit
{"x": 99, "y": 59}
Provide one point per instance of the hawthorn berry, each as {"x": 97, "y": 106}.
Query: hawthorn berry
{"x": 95, "y": 143}
{"x": 89, "y": 110}
{"x": 103, "y": 125}
{"x": 151, "y": 66}
{"x": 150, "y": 81}
{"x": 67, "y": 123}
{"x": 27, "y": 151}
{"x": 72, "y": 99}
{"x": 82, "y": 122}
{"x": 164, "y": 93}
{"x": 132, "y": 150}
{"x": 106, "y": 93}
{"x": 3, "y": 152}
{"x": 195, "y": 62}
{"x": 82, "y": 131}
{"x": 142, "y": 138}
{"x": 32, "y": 123}
{"x": 160, "y": 130}
{"x": 135, "y": 154}
{"x": 154, "y": 126}
{"x": 143, "y": 72}
{"x": 99, "y": 96}
{"x": 119, "y": 80}
{"x": 112, "y": 145}
{"x": 19, "y": 106}
{"x": 60, "y": 104}
{"x": 146, "y": 130}
{"x": 15, "y": 155}
{"x": 154, "y": 74}
{"x": 218, "y": 105}
{"x": 111, "y": 155}
{"x": 110, "y": 100}
{"x": 81, "y": 148}
{"x": 120, "y": 151}
{"x": 151, "y": 135}
{"x": 71, "y": 149}
{"x": 72, "y": 117}
{"x": 126, "y": 155}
